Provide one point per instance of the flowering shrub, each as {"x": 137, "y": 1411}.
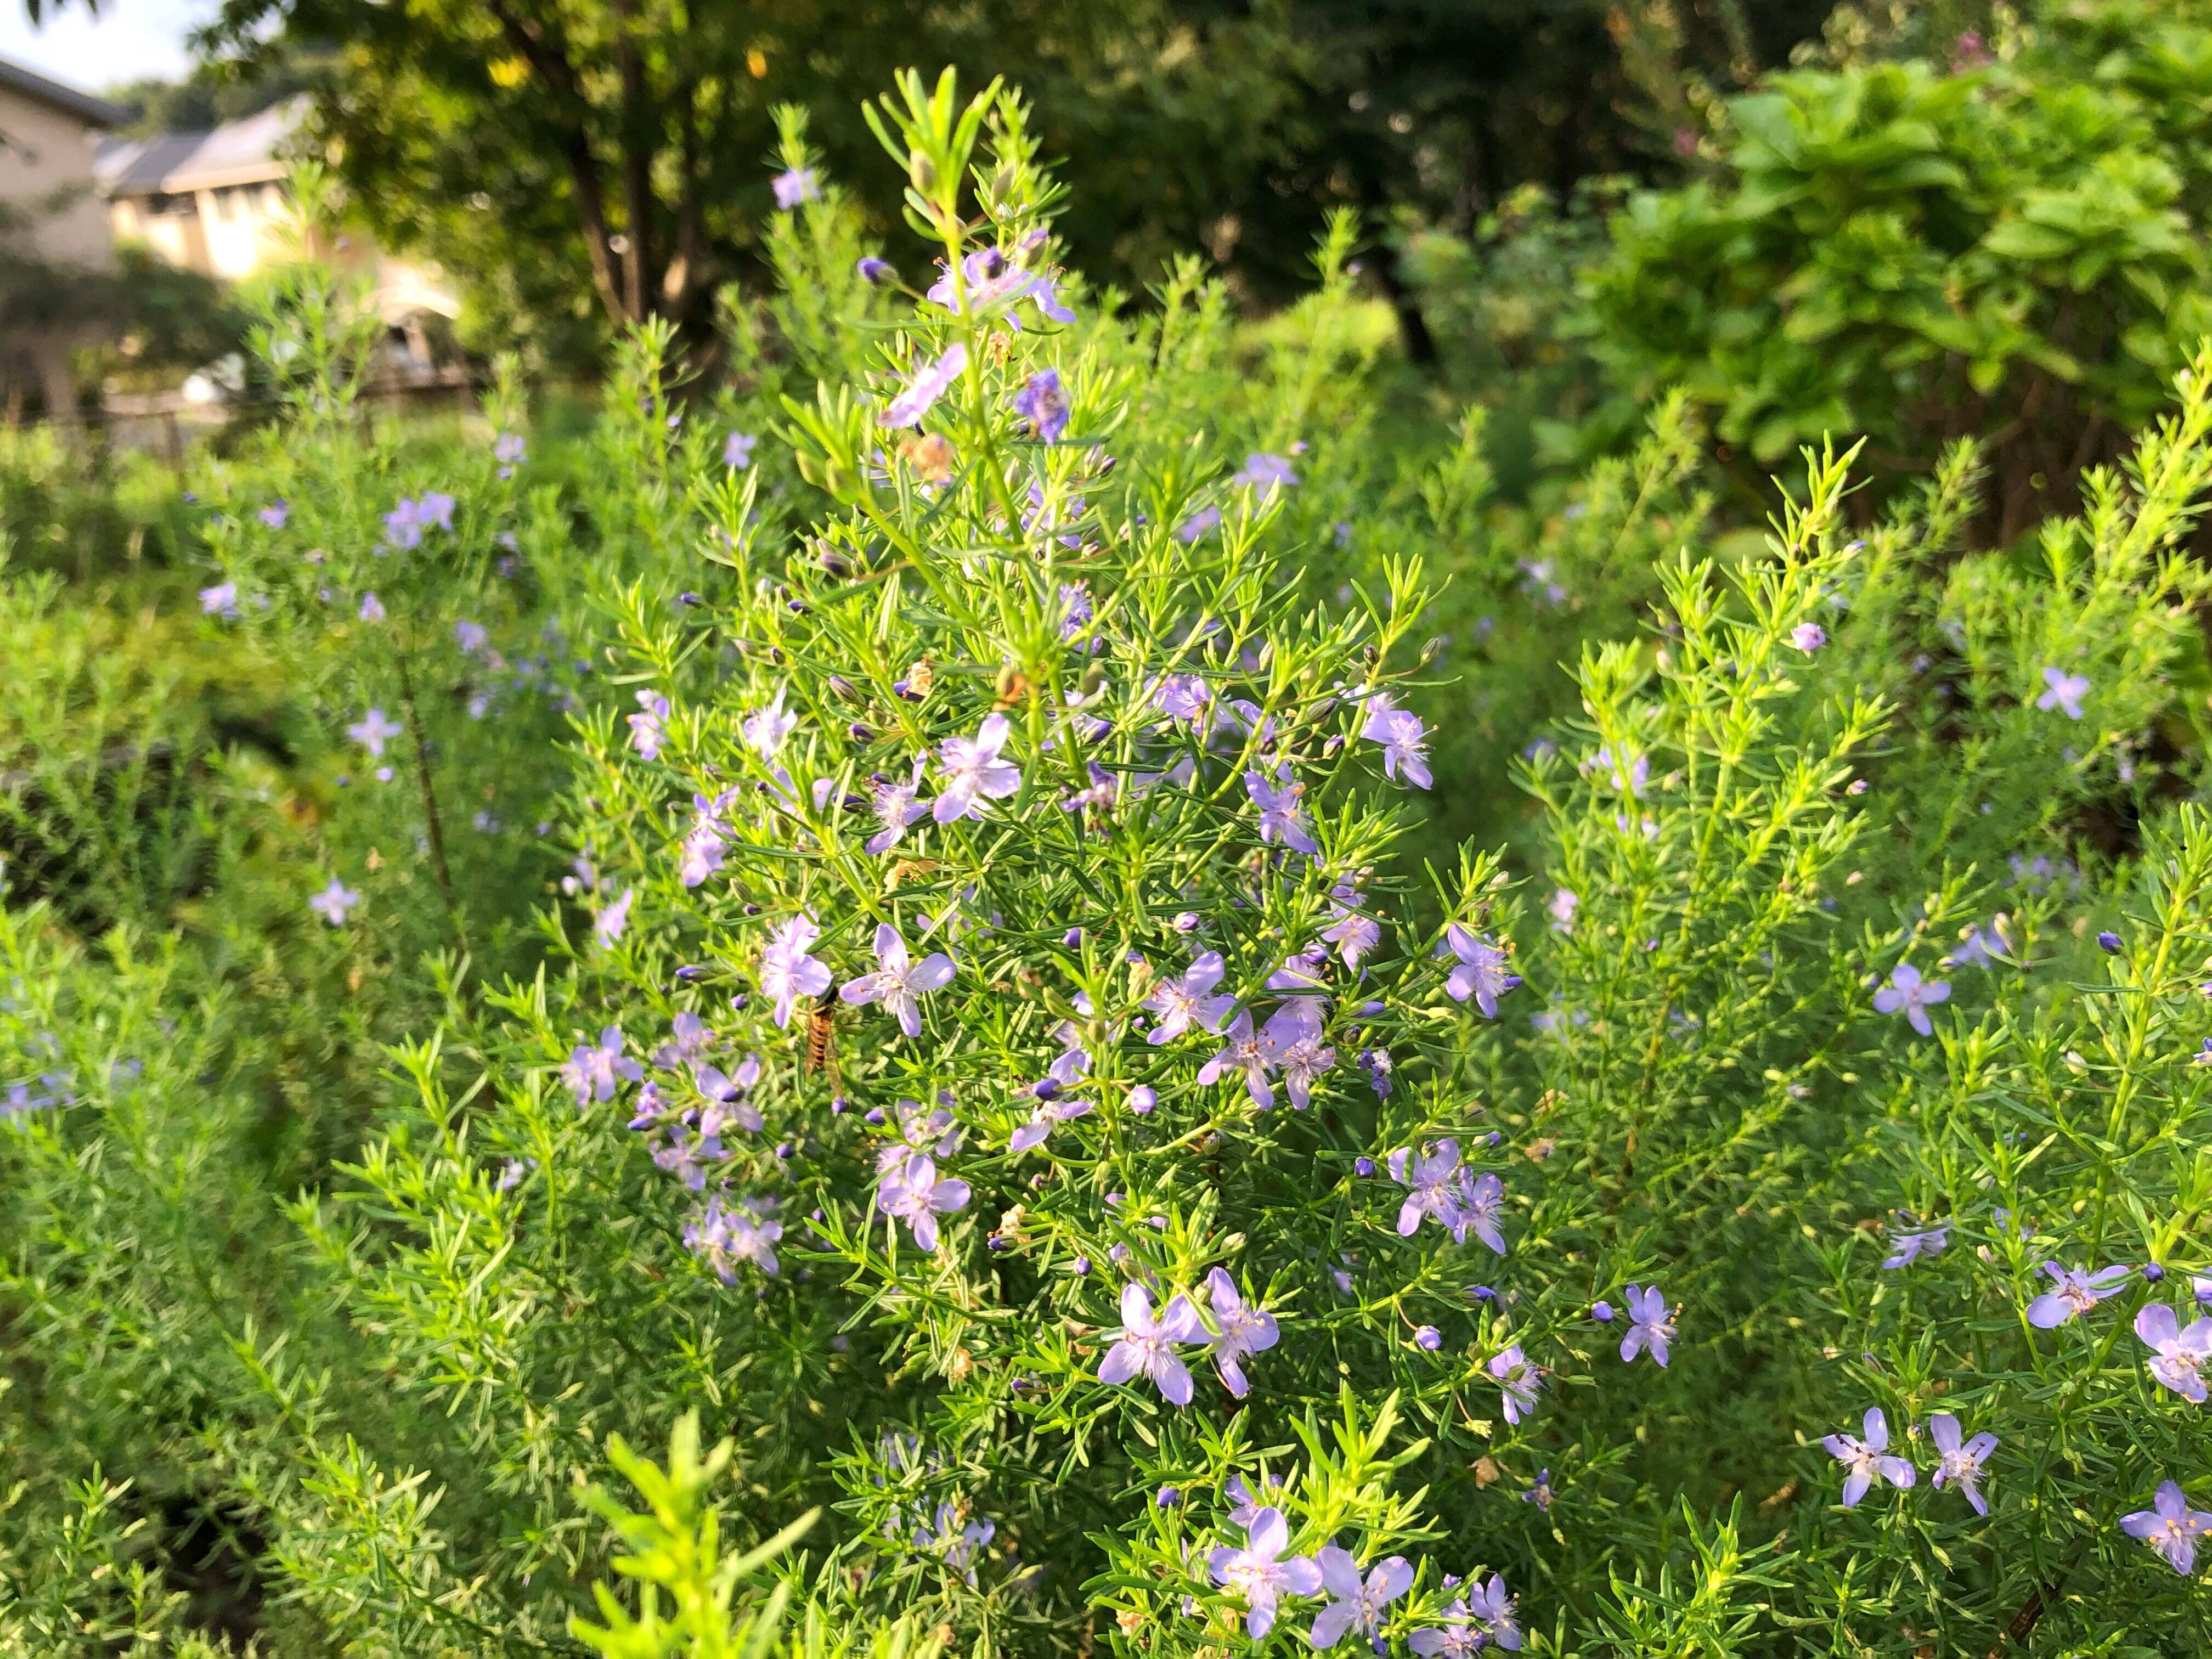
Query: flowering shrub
{"x": 990, "y": 1045}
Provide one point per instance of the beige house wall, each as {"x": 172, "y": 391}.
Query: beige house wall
{"x": 49, "y": 152}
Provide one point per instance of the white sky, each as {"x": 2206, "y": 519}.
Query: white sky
{"x": 129, "y": 39}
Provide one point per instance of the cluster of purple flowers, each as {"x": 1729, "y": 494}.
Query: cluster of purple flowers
{"x": 1146, "y": 1345}
{"x": 404, "y": 524}
{"x": 1439, "y": 1188}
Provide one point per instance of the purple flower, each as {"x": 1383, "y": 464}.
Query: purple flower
{"x": 1482, "y": 1206}
{"x": 1480, "y": 971}
{"x": 1291, "y": 1039}
{"x": 1429, "y": 1339}
{"x": 1245, "y": 1504}
{"x": 725, "y": 1097}
{"x": 1183, "y": 1004}
{"x": 972, "y": 767}
{"x": 2170, "y": 1527}
{"x": 787, "y": 972}
{"x": 1256, "y": 1573}
{"x": 1907, "y": 991}
{"x": 794, "y": 186}
{"x": 647, "y": 731}
{"x": 611, "y": 920}
{"x": 1650, "y": 1325}
{"x": 1049, "y": 1115}
{"x": 1905, "y": 1249}
{"x": 275, "y": 514}
{"x": 1561, "y": 907}
{"x": 1281, "y": 818}
{"x": 2182, "y": 1354}
{"x": 1198, "y": 525}
{"x": 1865, "y": 1461}
{"x": 1484, "y": 1618}
{"x": 373, "y": 730}
{"x": 372, "y": 608}
{"x": 724, "y": 1236}
{"x": 738, "y": 450}
{"x": 913, "y": 1193}
{"x": 1517, "y": 1380}
{"x": 509, "y": 449}
{"x": 1353, "y": 934}
{"x": 767, "y": 729}
{"x": 221, "y": 600}
{"x": 2064, "y": 692}
{"x": 1264, "y": 472}
{"x": 335, "y": 899}
{"x": 1042, "y": 402}
{"x": 1961, "y": 1465}
{"x": 1358, "y": 1606}
{"x": 1144, "y": 1346}
{"x": 1809, "y": 637}
{"x": 702, "y": 846}
{"x": 2076, "y": 1292}
{"x": 591, "y": 1072}
{"x": 897, "y": 807}
{"x": 1432, "y": 1187}
{"x": 873, "y": 271}
{"x": 1076, "y": 612}
{"x": 930, "y": 382}
{"x": 470, "y": 637}
{"x": 898, "y": 980}
{"x": 1244, "y": 1053}
{"x": 1243, "y": 1330}
{"x": 1404, "y": 739}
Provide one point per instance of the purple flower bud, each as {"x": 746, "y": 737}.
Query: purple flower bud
{"x": 875, "y": 272}
{"x": 1080, "y": 1265}
{"x": 1188, "y": 922}
{"x": 1168, "y": 1497}
{"x": 1046, "y": 1088}
{"x": 1429, "y": 1337}
{"x": 1363, "y": 1167}
{"x": 693, "y": 972}
{"x": 1073, "y": 937}
{"x": 2153, "y": 1274}
{"x": 998, "y": 1243}
{"x": 858, "y": 733}
{"x": 784, "y": 1149}
{"x": 1143, "y": 1099}
{"x": 874, "y": 1117}
{"x": 1602, "y": 1312}
{"x": 1118, "y": 1254}
{"x": 2109, "y": 943}
{"x": 739, "y": 999}
{"x": 688, "y": 597}
{"x": 842, "y": 686}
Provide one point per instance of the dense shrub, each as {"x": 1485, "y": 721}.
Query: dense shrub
{"x": 1003, "y": 1029}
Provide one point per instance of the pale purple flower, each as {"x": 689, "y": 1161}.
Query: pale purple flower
{"x": 1264, "y": 472}
{"x": 1480, "y": 970}
{"x": 221, "y": 600}
{"x": 1907, "y": 991}
{"x": 1809, "y": 637}
{"x": 2182, "y": 1355}
{"x": 1561, "y": 907}
{"x": 1244, "y": 1329}
{"x": 703, "y": 845}
{"x": 611, "y": 920}
{"x": 1244, "y": 1053}
{"x": 1184, "y": 697}
{"x": 648, "y": 730}
{"x": 1042, "y": 402}
{"x": 725, "y": 1097}
{"x": 1866, "y": 1460}
{"x": 373, "y": 730}
{"x": 913, "y": 1193}
{"x": 930, "y": 382}
{"x": 787, "y": 972}
{"x": 1183, "y": 1004}
{"x": 1905, "y": 1249}
{"x": 1518, "y": 1379}
{"x": 1281, "y": 818}
{"x": 738, "y": 450}
{"x": 1256, "y": 1573}
{"x": 1198, "y": 525}
{"x": 1356, "y": 1607}
{"x": 2170, "y": 1527}
{"x": 1403, "y": 737}
{"x": 372, "y": 608}
{"x": 509, "y": 449}
{"x": 1432, "y": 1186}
{"x": 1291, "y": 1039}
{"x": 275, "y": 514}
{"x": 2076, "y": 1292}
{"x": 1047, "y": 1116}
{"x": 897, "y": 807}
{"x": 972, "y": 767}
{"x": 1481, "y": 1207}
{"x": 335, "y": 899}
{"x": 898, "y": 980}
{"x": 1145, "y": 1346}
{"x": 2064, "y": 692}
{"x": 434, "y": 511}
{"x": 689, "y": 1037}
{"x": 767, "y": 729}
{"x": 1076, "y": 611}
{"x": 1483, "y": 1618}
{"x": 873, "y": 271}
{"x": 1354, "y": 934}
{"x": 471, "y": 637}
{"x": 724, "y": 1237}
{"x": 592, "y": 1072}
{"x": 794, "y": 186}
{"x": 1960, "y": 1464}
{"x": 1245, "y": 1504}
{"x": 1649, "y": 1324}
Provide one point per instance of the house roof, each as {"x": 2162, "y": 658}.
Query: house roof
{"x": 237, "y": 153}
{"x": 29, "y": 83}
